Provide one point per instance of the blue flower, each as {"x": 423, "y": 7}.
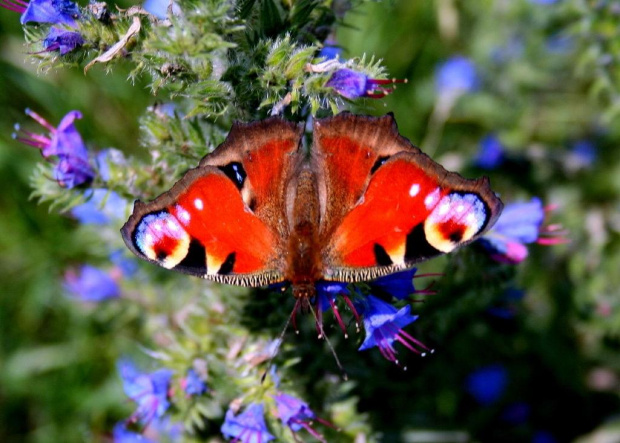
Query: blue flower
{"x": 121, "y": 434}
{"x": 159, "y": 8}
{"x": 543, "y": 437}
{"x": 516, "y": 413}
{"x": 506, "y": 307}
{"x": 330, "y": 50}
{"x": 560, "y": 44}
{"x": 491, "y": 153}
{"x": 152, "y": 433}
{"x": 398, "y": 285}
{"x": 149, "y": 391}
{"x": 247, "y": 427}
{"x": 72, "y": 166}
{"x": 101, "y": 207}
{"x": 56, "y": 12}
{"x": 456, "y": 76}
{"x": 518, "y": 225}
{"x": 582, "y": 155}
{"x": 62, "y": 40}
{"x": 192, "y": 384}
{"x": 326, "y": 297}
{"x": 127, "y": 265}
{"x": 296, "y": 414}
{"x": 544, "y": 2}
{"x": 353, "y": 84}
{"x": 91, "y": 284}
{"x": 383, "y": 324}
{"x": 487, "y": 384}
{"x": 512, "y": 49}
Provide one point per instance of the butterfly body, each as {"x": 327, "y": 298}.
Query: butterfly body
{"x": 261, "y": 209}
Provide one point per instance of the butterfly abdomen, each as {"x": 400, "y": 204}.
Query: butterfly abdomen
{"x": 304, "y": 264}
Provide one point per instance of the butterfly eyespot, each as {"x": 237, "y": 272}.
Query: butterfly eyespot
{"x": 160, "y": 237}
{"x": 235, "y": 172}
{"x": 456, "y": 219}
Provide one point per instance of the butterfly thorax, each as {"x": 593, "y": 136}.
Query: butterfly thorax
{"x": 304, "y": 264}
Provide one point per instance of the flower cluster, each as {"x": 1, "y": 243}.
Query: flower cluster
{"x": 152, "y": 394}
{"x": 383, "y": 323}
{"x": 249, "y": 426}
{"x": 62, "y": 13}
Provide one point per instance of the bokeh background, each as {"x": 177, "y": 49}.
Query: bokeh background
{"x": 535, "y": 359}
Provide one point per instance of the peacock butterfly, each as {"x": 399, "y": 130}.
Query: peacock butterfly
{"x": 261, "y": 209}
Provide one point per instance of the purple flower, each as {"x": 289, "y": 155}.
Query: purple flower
{"x": 91, "y": 284}
{"x": 353, "y": 84}
{"x": 56, "y": 12}
{"x": 149, "y": 391}
{"x": 247, "y": 427}
{"x": 101, "y": 207}
{"x": 544, "y": 2}
{"x": 518, "y": 225}
{"x": 491, "y": 153}
{"x": 192, "y": 384}
{"x": 296, "y": 414}
{"x": 72, "y": 166}
{"x": 62, "y": 40}
{"x": 121, "y": 434}
{"x": 456, "y": 76}
{"x": 383, "y": 324}
{"x": 487, "y": 384}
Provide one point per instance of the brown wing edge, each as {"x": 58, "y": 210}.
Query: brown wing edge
{"x": 251, "y": 135}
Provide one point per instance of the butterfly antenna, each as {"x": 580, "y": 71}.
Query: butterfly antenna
{"x": 280, "y": 340}
{"x": 329, "y": 344}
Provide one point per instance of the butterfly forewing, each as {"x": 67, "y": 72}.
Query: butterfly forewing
{"x": 406, "y": 208}
{"x": 226, "y": 219}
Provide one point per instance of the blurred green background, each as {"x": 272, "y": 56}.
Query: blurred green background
{"x": 548, "y": 78}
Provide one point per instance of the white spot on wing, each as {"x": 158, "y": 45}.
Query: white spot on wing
{"x": 414, "y": 189}
{"x": 183, "y": 215}
{"x": 431, "y": 199}
{"x": 199, "y": 204}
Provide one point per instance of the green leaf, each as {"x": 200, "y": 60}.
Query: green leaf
{"x": 301, "y": 12}
{"x": 271, "y": 16}
{"x": 245, "y": 8}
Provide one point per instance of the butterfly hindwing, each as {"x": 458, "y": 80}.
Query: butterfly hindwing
{"x": 397, "y": 206}
{"x": 224, "y": 220}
